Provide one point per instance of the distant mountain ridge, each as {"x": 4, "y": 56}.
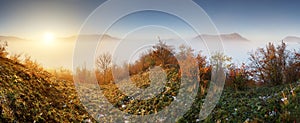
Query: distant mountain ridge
{"x": 292, "y": 39}
{"x": 88, "y": 37}
{"x": 70, "y": 38}
{"x": 11, "y": 38}
{"x": 224, "y": 37}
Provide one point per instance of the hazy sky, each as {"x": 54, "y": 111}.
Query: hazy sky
{"x": 31, "y": 18}
{"x": 257, "y": 19}
{"x": 254, "y": 19}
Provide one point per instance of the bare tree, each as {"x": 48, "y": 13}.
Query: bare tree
{"x": 103, "y": 62}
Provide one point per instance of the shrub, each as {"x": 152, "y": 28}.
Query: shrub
{"x": 3, "y": 46}
{"x": 237, "y": 77}
{"x": 274, "y": 65}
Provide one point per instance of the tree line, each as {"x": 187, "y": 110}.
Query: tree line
{"x": 270, "y": 65}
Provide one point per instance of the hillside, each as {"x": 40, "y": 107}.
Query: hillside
{"x": 256, "y": 104}
{"x": 31, "y": 95}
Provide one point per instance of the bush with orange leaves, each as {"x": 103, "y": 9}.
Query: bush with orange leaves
{"x": 3, "y": 52}
{"x": 237, "y": 77}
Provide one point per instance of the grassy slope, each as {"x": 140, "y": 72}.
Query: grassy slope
{"x": 28, "y": 95}
{"x": 262, "y": 104}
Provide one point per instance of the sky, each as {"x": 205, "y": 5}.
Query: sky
{"x": 148, "y": 19}
{"x": 43, "y": 21}
{"x": 254, "y": 19}
{"x": 31, "y": 18}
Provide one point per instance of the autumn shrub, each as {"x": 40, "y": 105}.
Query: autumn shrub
{"x": 32, "y": 64}
{"x": 161, "y": 55}
{"x": 237, "y": 77}
{"x": 274, "y": 65}
{"x": 16, "y": 58}
{"x": 293, "y": 68}
{"x": 3, "y": 47}
{"x": 84, "y": 75}
{"x": 62, "y": 74}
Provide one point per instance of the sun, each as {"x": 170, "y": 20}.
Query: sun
{"x": 48, "y": 37}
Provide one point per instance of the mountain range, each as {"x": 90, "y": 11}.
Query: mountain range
{"x": 11, "y": 38}
{"x": 292, "y": 39}
{"x": 224, "y": 37}
{"x": 207, "y": 37}
{"x": 90, "y": 37}
{"x": 70, "y": 38}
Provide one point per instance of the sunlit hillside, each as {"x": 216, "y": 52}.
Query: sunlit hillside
{"x": 31, "y": 94}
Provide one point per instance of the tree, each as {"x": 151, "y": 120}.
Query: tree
{"x": 204, "y": 72}
{"x": 220, "y": 58}
{"x": 185, "y": 52}
{"x": 237, "y": 77}
{"x": 273, "y": 65}
{"x": 160, "y": 55}
{"x": 293, "y": 67}
{"x": 103, "y": 62}
{"x": 187, "y": 61}
{"x": 219, "y": 63}
{"x": 163, "y": 54}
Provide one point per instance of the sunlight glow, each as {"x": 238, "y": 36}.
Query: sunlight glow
{"x": 49, "y": 37}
